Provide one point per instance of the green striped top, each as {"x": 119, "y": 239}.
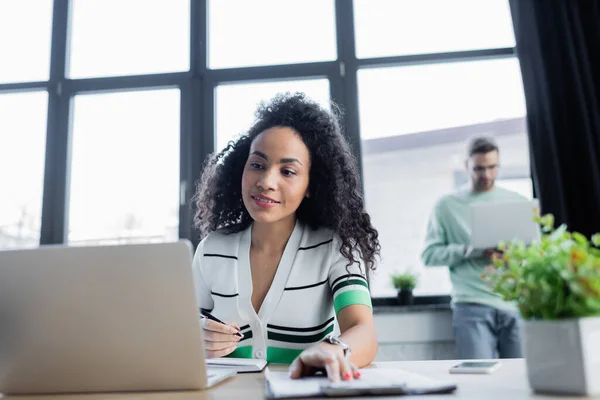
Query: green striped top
{"x": 312, "y": 284}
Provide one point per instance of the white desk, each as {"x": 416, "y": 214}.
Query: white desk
{"x": 507, "y": 383}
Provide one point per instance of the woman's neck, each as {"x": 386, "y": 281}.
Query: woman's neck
{"x": 272, "y": 237}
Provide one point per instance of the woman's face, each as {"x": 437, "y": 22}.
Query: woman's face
{"x": 275, "y": 178}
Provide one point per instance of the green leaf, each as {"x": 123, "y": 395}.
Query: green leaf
{"x": 580, "y": 239}
{"x": 547, "y": 222}
{"x": 558, "y": 233}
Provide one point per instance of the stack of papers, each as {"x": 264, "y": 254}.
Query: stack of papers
{"x": 373, "y": 381}
{"x": 240, "y": 364}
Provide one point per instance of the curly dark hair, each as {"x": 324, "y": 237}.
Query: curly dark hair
{"x": 336, "y": 201}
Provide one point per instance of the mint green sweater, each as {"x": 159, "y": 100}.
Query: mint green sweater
{"x": 448, "y": 234}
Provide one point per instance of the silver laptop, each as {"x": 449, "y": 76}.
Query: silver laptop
{"x": 99, "y": 319}
{"x": 494, "y": 222}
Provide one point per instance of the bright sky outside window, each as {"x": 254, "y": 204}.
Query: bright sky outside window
{"x": 25, "y": 40}
{"x": 236, "y": 103}
{"x": 269, "y": 32}
{"x": 125, "y": 167}
{"x": 129, "y": 37}
{"x": 403, "y": 27}
{"x": 22, "y": 156}
{"x": 400, "y": 100}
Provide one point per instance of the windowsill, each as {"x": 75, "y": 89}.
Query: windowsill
{"x": 382, "y": 305}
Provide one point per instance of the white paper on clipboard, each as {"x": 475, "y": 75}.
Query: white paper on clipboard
{"x": 372, "y": 381}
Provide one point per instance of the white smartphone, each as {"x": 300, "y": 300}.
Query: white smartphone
{"x": 475, "y": 367}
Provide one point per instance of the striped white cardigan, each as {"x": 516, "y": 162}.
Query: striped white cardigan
{"x": 312, "y": 284}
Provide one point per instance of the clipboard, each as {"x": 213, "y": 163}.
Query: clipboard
{"x": 374, "y": 382}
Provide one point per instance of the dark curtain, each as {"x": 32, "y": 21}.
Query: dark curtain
{"x": 558, "y": 44}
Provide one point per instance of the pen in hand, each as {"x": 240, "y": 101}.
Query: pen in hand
{"x": 208, "y": 315}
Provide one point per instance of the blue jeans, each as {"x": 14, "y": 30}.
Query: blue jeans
{"x": 482, "y": 331}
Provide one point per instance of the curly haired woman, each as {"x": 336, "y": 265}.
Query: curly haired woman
{"x": 287, "y": 245}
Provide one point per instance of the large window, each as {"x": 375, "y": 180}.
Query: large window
{"x": 22, "y": 143}
{"x": 416, "y": 116}
{"x": 125, "y": 168}
{"x": 109, "y": 108}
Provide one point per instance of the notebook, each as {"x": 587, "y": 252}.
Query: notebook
{"x": 240, "y": 364}
{"x": 373, "y": 381}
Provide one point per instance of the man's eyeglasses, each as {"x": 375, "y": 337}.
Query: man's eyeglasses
{"x": 480, "y": 169}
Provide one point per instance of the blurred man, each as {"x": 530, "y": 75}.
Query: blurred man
{"x": 484, "y": 325}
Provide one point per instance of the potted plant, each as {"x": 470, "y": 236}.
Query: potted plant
{"x": 555, "y": 283}
{"x": 404, "y": 283}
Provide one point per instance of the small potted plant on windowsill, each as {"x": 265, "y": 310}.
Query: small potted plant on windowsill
{"x": 555, "y": 283}
{"x": 404, "y": 283}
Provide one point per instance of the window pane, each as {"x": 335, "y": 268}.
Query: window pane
{"x": 125, "y": 168}
{"x": 250, "y": 33}
{"x": 129, "y": 37}
{"x": 236, "y": 103}
{"x": 402, "y": 186}
{"x": 25, "y": 32}
{"x": 22, "y": 155}
{"x": 400, "y": 100}
{"x": 523, "y": 186}
{"x": 401, "y": 27}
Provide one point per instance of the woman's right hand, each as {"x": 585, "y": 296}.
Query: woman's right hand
{"x": 219, "y": 339}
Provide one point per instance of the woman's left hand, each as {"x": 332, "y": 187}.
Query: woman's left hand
{"x": 325, "y": 356}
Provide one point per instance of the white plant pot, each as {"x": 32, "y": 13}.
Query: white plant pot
{"x": 563, "y": 356}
